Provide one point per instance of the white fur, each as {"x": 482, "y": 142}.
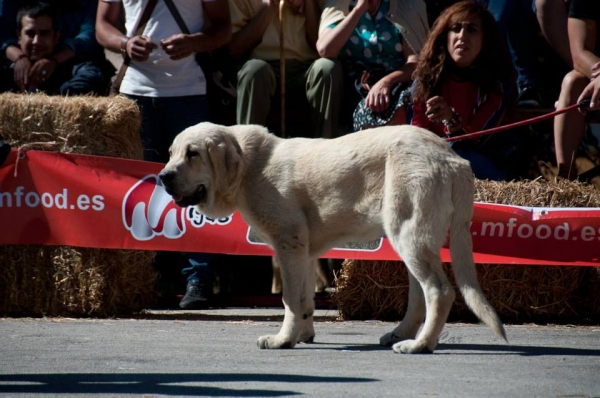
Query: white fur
{"x": 305, "y": 196}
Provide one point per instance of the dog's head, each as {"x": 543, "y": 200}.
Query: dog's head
{"x": 204, "y": 170}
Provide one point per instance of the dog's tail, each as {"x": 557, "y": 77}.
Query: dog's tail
{"x": 461, "y": 250}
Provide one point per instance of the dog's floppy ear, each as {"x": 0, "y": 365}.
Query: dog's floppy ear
{"x": 226, "y": 160}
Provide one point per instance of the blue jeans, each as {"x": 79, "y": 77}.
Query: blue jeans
{"x": 162, "y": 119}
{"x": 483, "y": 168}
{"x": 516, "y": 20}
{"x": 165, "y": 117}
{"x": 87, "y": 77}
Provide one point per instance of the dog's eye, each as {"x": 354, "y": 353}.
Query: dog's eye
{"x": 191, "y": 153}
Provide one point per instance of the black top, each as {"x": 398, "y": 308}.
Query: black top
{"x": 587, "y": 9}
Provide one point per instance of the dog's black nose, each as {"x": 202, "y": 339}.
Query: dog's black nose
{"x": 166, "y": 177}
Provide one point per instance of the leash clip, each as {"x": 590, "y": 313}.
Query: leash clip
{"x": 585, "y": 104}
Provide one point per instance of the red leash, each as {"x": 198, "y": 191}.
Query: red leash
{"x": 517, "y": 124}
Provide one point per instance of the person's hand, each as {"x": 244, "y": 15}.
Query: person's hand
{"x": 364, "y": 5}
{"x": 21, "y": 73}
{"x": 41, "y": 71}
{"x": 437, "y": 109}
{"x": 378, "y": 97}
{"x": 178, "y": 46}
{"x": 595, "y": 70}
{"x": 591, "y": 92}
{"x": 140, "y": 47}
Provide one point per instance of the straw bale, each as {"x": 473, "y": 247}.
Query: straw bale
{"x": 66, "y": 281}
{"x": 61, "y": 280}
{"x": 107, "y": 126}
{"x": 379, "y": 289}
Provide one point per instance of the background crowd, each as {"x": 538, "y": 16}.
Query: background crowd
{"x": 316, "y": 68}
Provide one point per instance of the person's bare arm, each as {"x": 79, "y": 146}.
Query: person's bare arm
{"x": 582, "y": 40}
{"x": 107, "y": 33}
{"x": 182, "y": 45}
{"x": 246, "y": 39}
{"x": 110, "y": 37}
{"x": 552, "y": 17}
{"x": 378, "y": 98}
{"x": 332, "y": 40}
{"x": 22, "y": 66}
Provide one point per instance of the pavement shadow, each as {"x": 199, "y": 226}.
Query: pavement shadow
{"x": 180, "y": 384}
{"x": 508, "y": 349}
{"x": 199, "y": 316}
{"x": 343, "y": 346}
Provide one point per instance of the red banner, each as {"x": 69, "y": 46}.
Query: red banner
{"x": 99, "y": 202}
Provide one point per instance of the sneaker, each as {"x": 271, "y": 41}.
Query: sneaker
{"x": 529, "y": 97}
{"x": 196, "y": 296}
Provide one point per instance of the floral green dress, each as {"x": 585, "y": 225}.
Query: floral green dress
{"x": 373, "y": 50}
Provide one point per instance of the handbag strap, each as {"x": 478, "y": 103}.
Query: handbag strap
{"x": 141, "y": 23}
{"x": 139, "y": 29}
{"x": 202, "y": 58}
{"x": 180, "y": 22}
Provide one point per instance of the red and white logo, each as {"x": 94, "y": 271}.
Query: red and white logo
{"x": 149, "y": 211}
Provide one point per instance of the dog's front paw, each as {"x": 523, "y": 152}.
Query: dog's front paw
{"x": 308, "y": 333}
{"x": 307, "y": 338}
{"x": 273, "y": 342}
{"x": 412, "y": 347}
{"x": 389, "y": 339}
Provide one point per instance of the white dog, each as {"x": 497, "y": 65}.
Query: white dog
{"x": 305, "y": 196}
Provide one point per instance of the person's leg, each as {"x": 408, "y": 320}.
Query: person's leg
{"x": 502, "y": 10}
{"x": 298, "y": 122}
{"x": 483, "y": 168}
{"x": 521, "y": 42}
{"x": 164, "y": 118}
{"x": 152, "y": 127}
{"x": 569, "y": 127}
{"x": 87, "y": 78}
{"x": 255, "y": 88}
{"x": 181, "y": 113}
{"x": 200, "y": 274}
{"x": 324, "y": 88}
{"x": 515, "y": 19}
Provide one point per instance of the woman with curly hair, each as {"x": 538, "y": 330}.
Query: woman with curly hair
{"x": 464, "y": 82}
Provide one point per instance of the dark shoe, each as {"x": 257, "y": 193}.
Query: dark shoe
{"x": 529, "y": 97}
{"x": 197, "y": 296}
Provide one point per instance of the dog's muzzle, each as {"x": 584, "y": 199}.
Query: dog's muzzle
{"x": 196, "y": 197}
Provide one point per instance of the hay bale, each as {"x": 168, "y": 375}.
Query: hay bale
{"x": 107, "y": 126}
{"x": 379, "y": 289}
{"x": 371, "y": 289}
{"x": 60, "y": 280}
{"x": 66, "y": 281}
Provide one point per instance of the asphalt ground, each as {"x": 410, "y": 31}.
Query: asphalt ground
{"x": 214, "y": 353}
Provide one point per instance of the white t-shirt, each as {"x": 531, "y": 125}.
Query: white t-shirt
{"x": 159, "y": 76}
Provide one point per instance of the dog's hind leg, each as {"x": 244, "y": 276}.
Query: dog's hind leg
{"x": 418, "y": 240}
{"x": 298, "y": 277}
{"x": 413, "y": 319}
{"x": 439, "y": 295}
